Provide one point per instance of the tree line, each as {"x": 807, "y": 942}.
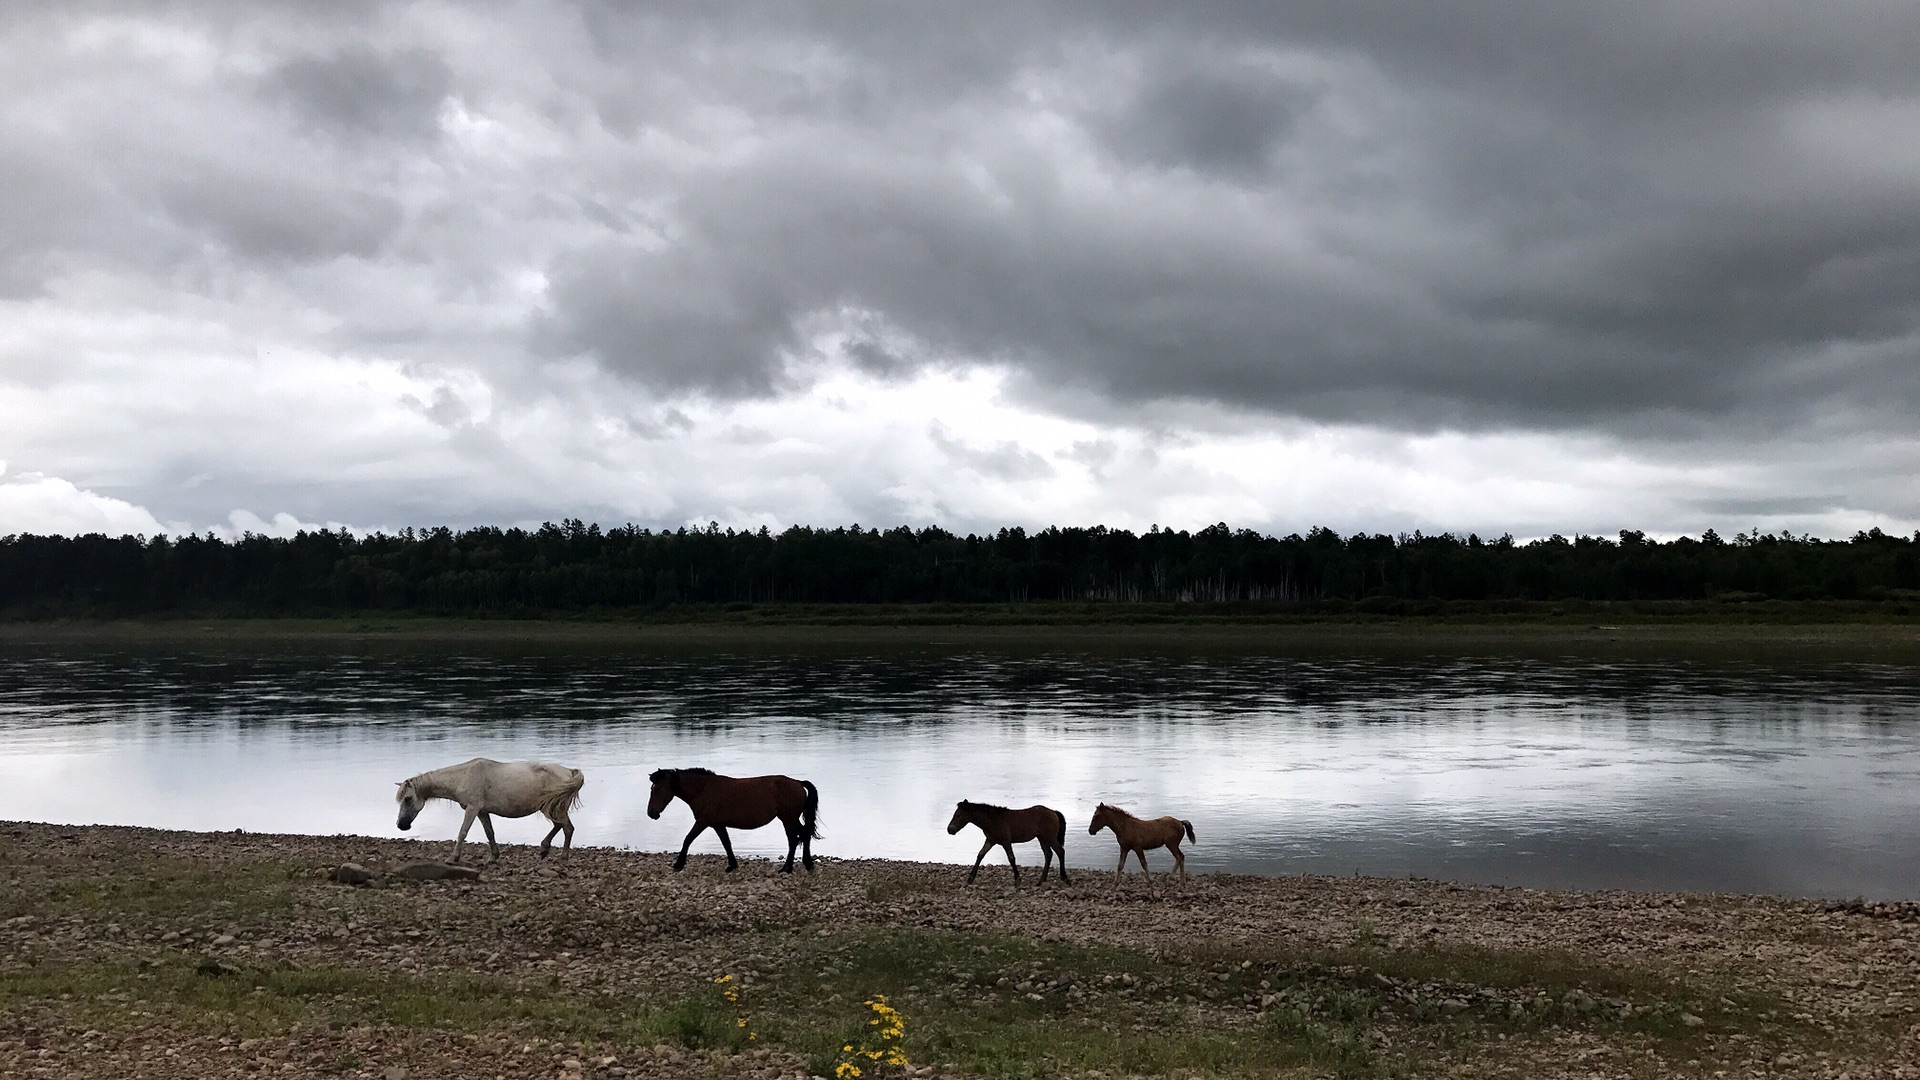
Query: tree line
{"x": 575, "y": 567}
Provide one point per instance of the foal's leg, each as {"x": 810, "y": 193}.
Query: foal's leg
{"x": 984, "y": 848}
{"x": 493, "y": 847}
{"x": 465, "y": 827}
{"x": 1011, "y": 863}
{"x": 698, "y": 828}
{"x": 732, "y": 863}
{"x": 1120, "y": 871}
{"x": 1144, "y": 872}
{"x": 1179, "y": 858}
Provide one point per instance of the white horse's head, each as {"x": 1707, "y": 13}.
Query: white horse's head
{"x": 410, "y": 801}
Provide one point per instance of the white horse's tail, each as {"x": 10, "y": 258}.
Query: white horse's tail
{"x": 559, "y": 804}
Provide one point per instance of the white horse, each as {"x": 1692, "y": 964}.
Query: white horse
{"x": 509, "y": 788}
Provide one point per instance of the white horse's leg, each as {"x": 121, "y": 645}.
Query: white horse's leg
{"x": 493, "y": 846}
{"x": 547, "y": 844}
{"x": 465, "y": 827}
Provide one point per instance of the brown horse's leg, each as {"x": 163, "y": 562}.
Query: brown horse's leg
{"x": 493, "y": 847}
{"x": 725, "y": 842}
{"x": 1046, "y": 860}
{"x": 984, "y": 848}
{"x": 698, "y": 828}
{"x": 792, "y": 825}
{"x": 1014, "y": 865}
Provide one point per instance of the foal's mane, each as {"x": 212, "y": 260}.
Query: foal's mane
{"x": 1116, "y": 812}
{"x": 667, "y": 776}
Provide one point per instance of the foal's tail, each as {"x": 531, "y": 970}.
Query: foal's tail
{"x": 1188, "y": 825}
{"x": 557, "y": 805}
{"x": 810, "y": 814}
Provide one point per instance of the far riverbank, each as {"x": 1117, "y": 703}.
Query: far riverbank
{"x": 880, "y": 630}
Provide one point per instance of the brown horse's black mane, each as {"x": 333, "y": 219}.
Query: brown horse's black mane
{"x": 667, "y": 776}
{"x": 988, "y": 807}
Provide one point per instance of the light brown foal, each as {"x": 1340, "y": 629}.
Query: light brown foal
{"x": 1140, "y": 836}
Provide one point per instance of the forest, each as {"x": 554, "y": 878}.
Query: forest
{"x": 574, "y": 567}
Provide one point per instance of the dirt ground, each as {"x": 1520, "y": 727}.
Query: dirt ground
{"x": 142, "y": 953}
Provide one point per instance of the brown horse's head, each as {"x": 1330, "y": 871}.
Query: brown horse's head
{"x": 662, "y": 794}
{"x": 1102, "y": 817}
{"x": 960, "y": 817}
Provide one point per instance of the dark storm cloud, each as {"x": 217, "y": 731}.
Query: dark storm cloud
{"x": 363, "y": 91}
{"x": 1224, "y": 121}
{"x": 1482, "y": 213}
{"x": 1626, "y": 216}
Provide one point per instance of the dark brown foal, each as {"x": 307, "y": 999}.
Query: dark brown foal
{"x": 1009, "y": 827}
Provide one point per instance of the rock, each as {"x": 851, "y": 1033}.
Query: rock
{"x": 1451, "y": 1006}
{"x": 394, "y": 1072}
{"x": 437, "y": 871}
{"x": 353, "y": 874}
{"x": 1691, "y": 1020}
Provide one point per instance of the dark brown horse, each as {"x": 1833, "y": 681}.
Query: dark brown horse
{"x": 1139, "y": 836}
{"x": 1009, "y": 827}
{"x": 727, "y": 802}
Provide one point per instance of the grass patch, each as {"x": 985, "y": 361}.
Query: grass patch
{"x": 264, "y": 1001}
{"x": 1014, "y": 1007}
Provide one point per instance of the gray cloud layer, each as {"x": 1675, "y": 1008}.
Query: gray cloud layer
{"x": 1684, "y": 219}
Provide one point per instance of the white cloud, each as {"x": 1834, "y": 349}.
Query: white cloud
{"x": 31, "y": 503}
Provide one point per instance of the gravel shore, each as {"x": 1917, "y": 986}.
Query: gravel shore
{"x": 142, "y": 953}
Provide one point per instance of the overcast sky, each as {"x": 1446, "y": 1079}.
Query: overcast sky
{"x": 1503, "y": 266}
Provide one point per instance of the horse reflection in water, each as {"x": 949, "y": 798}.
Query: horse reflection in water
{"x": 1009, "y": 827}
{"x": 512, "y": 789}
{"x": 1139, "y": 836}
{"x": 727, "y": 802}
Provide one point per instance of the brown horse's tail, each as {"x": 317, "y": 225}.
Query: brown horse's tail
{"x": 1060, "y": 836}
{"x": 810, "y": 814}
{"x": 560, "y": 803}
{"x": 1188, "y": 825}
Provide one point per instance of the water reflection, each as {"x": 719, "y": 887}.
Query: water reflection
{"x": 1734, "y": 777}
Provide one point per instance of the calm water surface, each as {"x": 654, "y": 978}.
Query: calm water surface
{"x": 1556, "y": 773}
